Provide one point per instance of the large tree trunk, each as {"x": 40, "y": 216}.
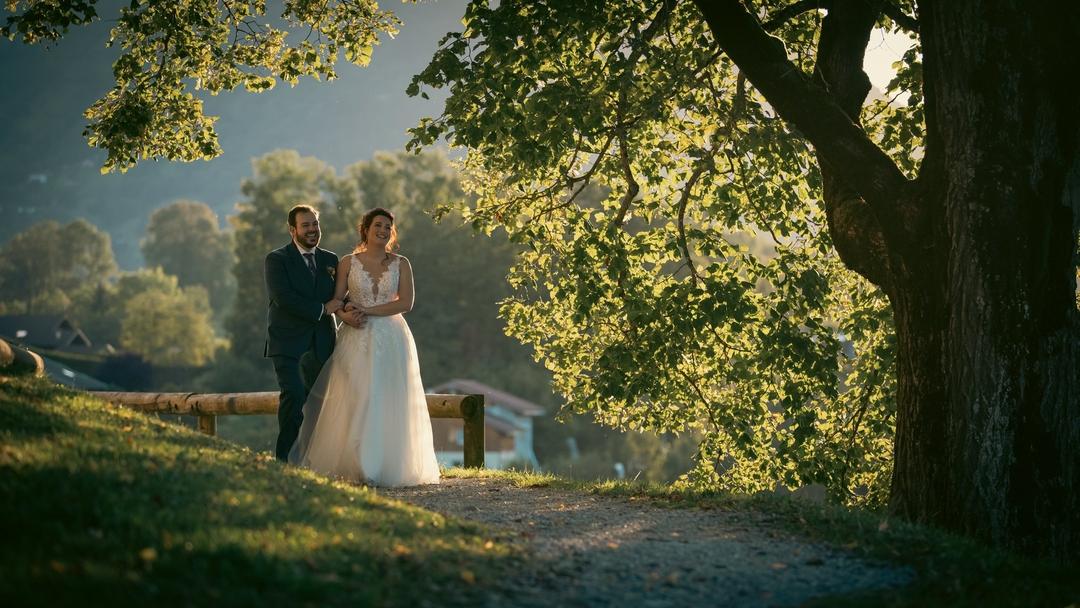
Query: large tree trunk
{"x": 980, "y": 252}
{"x": 1003, "y": 139}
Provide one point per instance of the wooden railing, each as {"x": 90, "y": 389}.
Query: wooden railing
{"x": 206, "y": 407}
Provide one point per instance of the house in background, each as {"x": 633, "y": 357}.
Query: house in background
{"x": 508, "y": 427}
{"x": 52, "y": 332}
{"x": 53, "y": 335}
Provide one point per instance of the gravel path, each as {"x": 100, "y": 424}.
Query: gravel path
{"x": 592, "y": 550}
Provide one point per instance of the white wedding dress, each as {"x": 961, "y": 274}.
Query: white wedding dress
{"x": 366, "y": 417}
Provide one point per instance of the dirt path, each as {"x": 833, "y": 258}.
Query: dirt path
{"x": 601, "y": 551}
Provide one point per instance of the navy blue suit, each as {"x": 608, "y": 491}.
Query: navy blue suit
{"x": 300, "y": 337}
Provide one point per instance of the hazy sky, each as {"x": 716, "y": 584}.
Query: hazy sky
{"x": 884, "y": 49}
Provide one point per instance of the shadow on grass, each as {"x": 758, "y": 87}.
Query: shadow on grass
{"x": 102, "y": 505}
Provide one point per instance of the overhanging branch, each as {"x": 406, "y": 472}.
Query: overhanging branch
{"x": 791, "y": 11}
{"x": 837, "y": 138}
{"x": 899, "y": 17}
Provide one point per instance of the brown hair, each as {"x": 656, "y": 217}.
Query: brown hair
{"x": 301, "y": 208}
{"x": 365, "y": 224}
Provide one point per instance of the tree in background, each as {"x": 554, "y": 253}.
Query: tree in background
{"x": 281, "y": 179}
{"x": 185, "y": 240}
{"x": 42, "y": 267}
{"x": 146, "y": 312}
{"x": 100, "y": 306}
{"x": 939, "y": 233}
{"x": 169, "y": 327}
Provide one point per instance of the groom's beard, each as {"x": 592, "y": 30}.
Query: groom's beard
{"x": 310, "y": 240}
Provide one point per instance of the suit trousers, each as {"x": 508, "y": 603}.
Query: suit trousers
{"x": 295, "y": 379}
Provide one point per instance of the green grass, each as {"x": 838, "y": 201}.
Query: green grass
{"x": 103, "y": 505}
{"x": 950, "y": 570}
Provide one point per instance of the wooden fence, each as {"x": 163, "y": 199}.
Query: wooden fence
{"x": 206, "y": 407}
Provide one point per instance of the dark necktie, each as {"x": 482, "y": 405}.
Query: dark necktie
{"x": 310, "y": 258}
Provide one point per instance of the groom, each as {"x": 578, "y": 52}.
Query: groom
{"x": 300, "y": 327}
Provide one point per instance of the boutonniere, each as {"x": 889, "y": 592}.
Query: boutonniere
{"x": 332, "y": 271}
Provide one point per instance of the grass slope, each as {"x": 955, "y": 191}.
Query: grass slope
{"x": 102, "y": 505}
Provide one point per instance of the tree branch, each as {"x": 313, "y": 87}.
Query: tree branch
{"x": 684, "y": 197}
{"x": 791, "y": 11}
{"x": 839, "y": 141}
{"x": 632, "y": 187}
{"x": 853, "y": 226}
{"x": 900, "y": 18}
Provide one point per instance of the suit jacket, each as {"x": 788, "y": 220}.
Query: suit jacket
{"x": 295, "y": 321}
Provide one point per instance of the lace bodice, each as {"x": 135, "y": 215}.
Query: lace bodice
{"x": 364, "y": 290}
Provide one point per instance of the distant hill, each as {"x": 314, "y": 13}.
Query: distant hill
{"x": 48, "y": 171}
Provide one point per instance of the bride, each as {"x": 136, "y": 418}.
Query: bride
{"x": 366, "y": 416}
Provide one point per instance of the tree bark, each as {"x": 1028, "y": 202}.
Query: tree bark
{"x": 1008, "y": 133}
{"x": 981, "y": 254}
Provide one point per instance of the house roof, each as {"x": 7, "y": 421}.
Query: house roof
{"x": 492, "y": 396}
{"x": 45, "y": 331}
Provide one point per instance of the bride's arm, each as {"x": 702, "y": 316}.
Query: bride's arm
{"x": 404, "y": 303}
{"x": 341, "y": 284}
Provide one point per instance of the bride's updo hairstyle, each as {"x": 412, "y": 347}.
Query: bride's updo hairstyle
{"x": 365, "y": 224}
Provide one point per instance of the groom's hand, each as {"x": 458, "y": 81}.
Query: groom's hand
{"x": 354, "y": 317}
{"x": 332, "y": 306}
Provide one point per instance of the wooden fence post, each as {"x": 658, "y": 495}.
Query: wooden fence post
{"x": 472, "y": 410}
{"x": 207, "y": 424}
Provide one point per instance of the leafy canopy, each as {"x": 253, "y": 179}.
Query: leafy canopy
{"x": 172, "y": 50}
{"x": 702, "y": 292}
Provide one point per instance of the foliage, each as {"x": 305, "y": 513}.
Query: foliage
{"x": 148, "y": 313}
{"x": 649, "y": 308}
{"x": 169, "y": 49}
{"x": 184, "y": 239}
{"x": 573, "y": 446}
{"x": 104, "y": 505}
{"x": 169, "y": 327}
{"x": 41, "y": 267}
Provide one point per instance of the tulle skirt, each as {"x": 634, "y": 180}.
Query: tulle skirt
{"x": 366, "y": 417}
